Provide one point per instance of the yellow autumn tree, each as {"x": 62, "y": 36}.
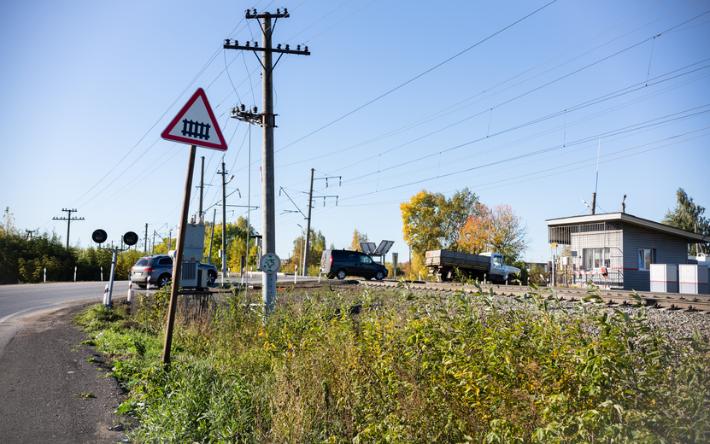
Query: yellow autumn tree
{"x": 430, "y": 221}
{"x": 357, "y": 238}
{"x": 476, "y": 233}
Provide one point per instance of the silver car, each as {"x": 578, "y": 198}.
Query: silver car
{"x": 158, "y": 270}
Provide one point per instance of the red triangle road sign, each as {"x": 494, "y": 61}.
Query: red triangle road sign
{"x": 196, "y": 124}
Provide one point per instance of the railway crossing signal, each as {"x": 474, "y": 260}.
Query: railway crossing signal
{"x": 196, "y": 125}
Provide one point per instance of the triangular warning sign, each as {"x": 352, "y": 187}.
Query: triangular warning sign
{"x": 196, "y": 124}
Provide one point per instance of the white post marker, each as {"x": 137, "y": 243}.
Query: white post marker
{"x": 196, "y": 125}
{"x": 129, "y": 294}
{"x": 102, "y": 273}
{"x": 112, "y": 275}
{"x": 295, "y": 275}
{"x": 105, "y": 298}
{"x": 75, "y": 273}
{"x": 45, "y": 274}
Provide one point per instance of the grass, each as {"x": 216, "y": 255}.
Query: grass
{"x": 395, "y": 366}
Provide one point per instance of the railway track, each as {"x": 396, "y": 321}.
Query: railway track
{"x": 667, "y": 301}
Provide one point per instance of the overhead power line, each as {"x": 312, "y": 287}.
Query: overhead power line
{"x": 416, "y": 77}
{"x": 687, "y": 113}
{"x": 672, "y": 75}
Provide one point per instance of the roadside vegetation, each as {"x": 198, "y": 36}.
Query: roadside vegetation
{"x": 353, "y": 365}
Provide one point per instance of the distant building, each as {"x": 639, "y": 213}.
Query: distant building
{"x": 616, "y": 250}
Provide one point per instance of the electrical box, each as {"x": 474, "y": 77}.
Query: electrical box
{"x": 194, "y": 243}
{"x": 189, "y": 274}
{"x": 693, "y": 279}
{"x": 664, "y": 278}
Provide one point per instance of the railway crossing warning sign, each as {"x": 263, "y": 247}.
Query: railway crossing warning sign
{"x": 196, "y": 124}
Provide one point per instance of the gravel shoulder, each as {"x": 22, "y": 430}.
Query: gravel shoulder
{"x": 50, "y": 390}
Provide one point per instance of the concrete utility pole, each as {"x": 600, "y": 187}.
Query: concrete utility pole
{"x": 307, "y": 247}
{"x": 596, "y": 179}
{"x": 145, "y": 240}
{"x": 310, "y": 206}
{"x": 214, "y": 216}
{"x": 223, "y": 172}
{"x": 268, "y": 123}
{"x": 202, "y": 186}
{"x": 69, "y": 218}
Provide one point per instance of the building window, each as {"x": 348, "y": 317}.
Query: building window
{"x": 647, "y": 256}
{"x": 596, "y": 258}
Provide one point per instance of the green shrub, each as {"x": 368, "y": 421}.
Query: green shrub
{"x": 396, "y": 366}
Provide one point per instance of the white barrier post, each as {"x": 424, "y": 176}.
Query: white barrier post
{"x": 102, "y": 273}
{"x": 295, "y": 274}
{"x": 111, "y": 278}
{"x": 129, "y": 294}
{"x": 45, "y": 274}
{"x": 74, "y": 273}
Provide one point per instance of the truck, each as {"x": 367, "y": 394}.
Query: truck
{"x": 485, "y": 266}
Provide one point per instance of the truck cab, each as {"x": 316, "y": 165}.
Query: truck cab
{"x": 498, "y": 269}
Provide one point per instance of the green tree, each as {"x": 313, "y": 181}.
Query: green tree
{"x": 431, "y": 221}
{"x": 23, "y": 259}
{"x": 688, "y": 216}
{"x": 90, "y": 263}
{"x": 236, "y": 243}
{"x": 508, "y": 236}
{"x": 317, "y": 246}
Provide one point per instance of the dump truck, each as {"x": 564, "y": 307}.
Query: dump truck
{"x": 445, "y": 264}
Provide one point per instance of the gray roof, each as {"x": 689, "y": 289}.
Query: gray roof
{"x": 630, "y": 219}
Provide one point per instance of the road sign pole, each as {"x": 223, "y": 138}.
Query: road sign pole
{"x": 177, "y": 263}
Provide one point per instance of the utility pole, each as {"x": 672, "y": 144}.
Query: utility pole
{"x": 170, "y": 239}
{"x": 268, "y": 123}
{"x": 152, "y": 248}
{"x": 596, "y": 179}
{"x": 307, "y": 248}
{"x": 310, "y": 206}
{"x": 248, "y": 199}
{"x": 145, "y": 240}
{"x": 223, "y": 172}
{"x": 69, "y": 218}
{"x": 202, "y": 186}
{"x": 214, "y": 215}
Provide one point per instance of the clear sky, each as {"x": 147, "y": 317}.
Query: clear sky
{"x": 87, "y": 87}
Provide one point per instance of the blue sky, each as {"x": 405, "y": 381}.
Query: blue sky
{"x": 88, "y": 86}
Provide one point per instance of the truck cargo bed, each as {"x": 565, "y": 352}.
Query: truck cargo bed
{"x": 456, "y": 259}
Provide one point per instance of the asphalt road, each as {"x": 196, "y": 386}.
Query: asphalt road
{"x": 53, "y": 388}
{"x": 19, "y": 301}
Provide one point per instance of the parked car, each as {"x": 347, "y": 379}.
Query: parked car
{"x": 158, "y": 270}
{"x": 341, "y": 263}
